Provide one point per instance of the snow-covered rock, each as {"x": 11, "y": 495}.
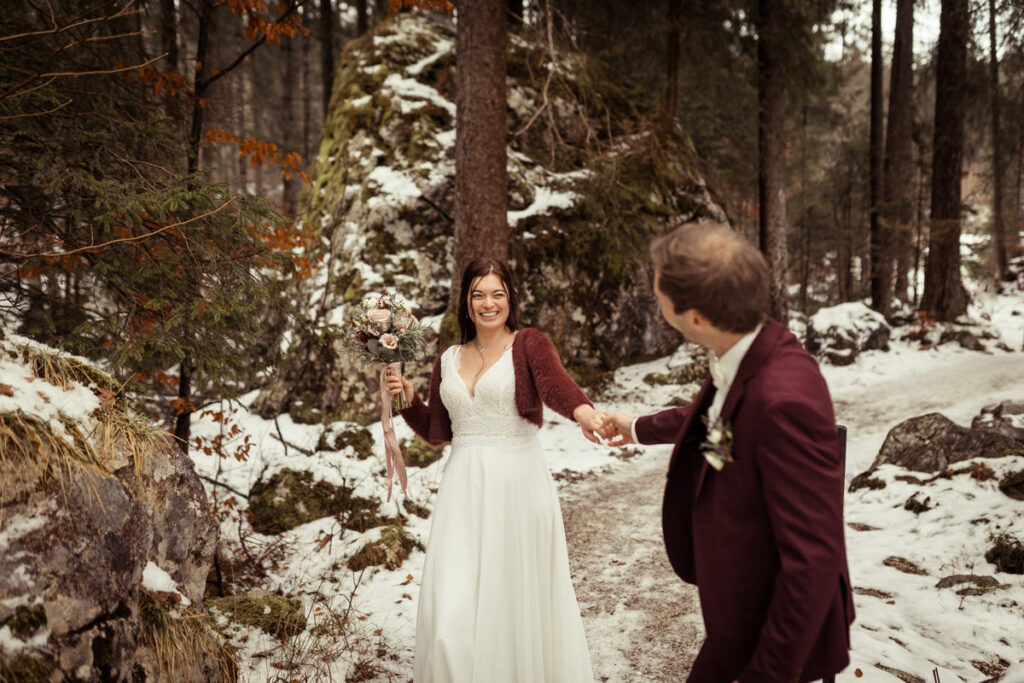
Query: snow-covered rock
{"x": 838, "y": 333}
{"x": 589, "y": 186}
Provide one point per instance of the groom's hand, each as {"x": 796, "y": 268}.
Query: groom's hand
{"x": 618, "y": 427}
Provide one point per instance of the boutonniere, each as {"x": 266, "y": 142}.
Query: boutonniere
{"x": 717, "y": 447}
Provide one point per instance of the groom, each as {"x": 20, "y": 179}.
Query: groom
{"x": 753, "y": 508}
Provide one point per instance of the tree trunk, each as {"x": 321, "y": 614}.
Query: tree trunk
{"x": 944, "y": 295}
{"x": 289, "y": 120}
{"x": 675, "y": 8}
{"x": 195, "y": 137}
{"x": 881, "y": 251}
{"x": 515, "y": 11}
{"x": 771, "y": 144}
{"x": 183, "y": 422}
{"x": 307, "y": 103}
{"x": 998, "y": 229}
{"x": 481, "y": 178}
{"x": 897, "y": 210}
{"x": 327, "y": 52}
{"x": 169, "y": 33}
{"x": 362, "y": 17}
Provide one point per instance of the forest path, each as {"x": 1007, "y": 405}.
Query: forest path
{"x": 642, "y": 622}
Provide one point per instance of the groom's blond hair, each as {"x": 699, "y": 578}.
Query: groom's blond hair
{"x": 710, "y": 267}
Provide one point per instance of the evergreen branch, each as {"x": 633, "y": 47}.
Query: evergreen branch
{"x": 136, "y": 238}
{"x": 37, "y": 113}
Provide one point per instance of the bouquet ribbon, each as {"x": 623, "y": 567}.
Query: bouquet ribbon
{"x": 392, "y": 451}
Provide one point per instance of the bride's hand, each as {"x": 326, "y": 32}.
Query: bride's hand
{"x": 399, "y": 384}
{"x": 591, "y": 422}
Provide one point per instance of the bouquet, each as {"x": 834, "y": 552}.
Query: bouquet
{"x": 383, "y": 330}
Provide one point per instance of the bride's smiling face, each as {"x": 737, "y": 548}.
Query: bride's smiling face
{"x": 488, "y": 303}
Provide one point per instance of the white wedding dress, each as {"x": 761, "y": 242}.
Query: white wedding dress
{"x": 497, "y": 603}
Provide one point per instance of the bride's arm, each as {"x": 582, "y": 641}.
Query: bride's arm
{"x": 556, "y": 388}
{"x": 429, "y": 421}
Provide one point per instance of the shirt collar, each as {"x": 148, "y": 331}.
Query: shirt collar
{"x": 729, "y": 363}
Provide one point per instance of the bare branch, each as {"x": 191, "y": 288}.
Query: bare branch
{"x": 136, "y": 238}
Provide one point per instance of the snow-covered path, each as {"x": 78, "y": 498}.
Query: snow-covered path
{"x": 642, "y": 622}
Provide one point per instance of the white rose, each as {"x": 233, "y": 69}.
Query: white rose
{"x": 715, "y": 437}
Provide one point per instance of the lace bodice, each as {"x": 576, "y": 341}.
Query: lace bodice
{"x": 490, "y": 415}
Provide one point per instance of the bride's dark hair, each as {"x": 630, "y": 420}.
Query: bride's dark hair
{"x": 477, "y": 269}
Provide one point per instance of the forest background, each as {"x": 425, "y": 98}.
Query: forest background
{"x": 193, "y": 191}
{"x": 156, "y": 154}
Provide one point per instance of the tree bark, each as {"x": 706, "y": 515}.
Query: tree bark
{"x": 481, "y": 177}
{"x": 675, "y": 8}
{"x": 944, "y": 296}
{"x": 169, "y": 33}
{"x": 881, "y": 252}
{"x": 183, "y": 422}
{"x": 195, "y": 137}
{"x": 998, "y": 228}
{"x": 771, "y": 146}
{"x": 289, "y": 120}
{"x": 897, "y": 210}
{"x": 327, "y": 52}
{"x": 362, "y": 17}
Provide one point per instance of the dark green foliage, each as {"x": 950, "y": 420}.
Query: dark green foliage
{"x": 107, "y": 246}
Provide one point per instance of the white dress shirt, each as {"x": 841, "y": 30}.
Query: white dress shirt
{"x": 723, "y": 372}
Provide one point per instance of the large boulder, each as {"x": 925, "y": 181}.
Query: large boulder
{"x": 589, "y": 185}
{"x": 933, "y": 442}
{"x": 1006, "y": 418}
{"x": 838, "y": 334}
{"x": 91, "y": 494}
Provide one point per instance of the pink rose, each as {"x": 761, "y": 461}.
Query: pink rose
{"x": 389, "y": 341}
{"x": 380, "y": 317}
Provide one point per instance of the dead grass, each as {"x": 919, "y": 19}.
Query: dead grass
{"x": 185, "y": 647}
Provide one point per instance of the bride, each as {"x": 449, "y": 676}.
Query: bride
{"x": 497, "y": 602}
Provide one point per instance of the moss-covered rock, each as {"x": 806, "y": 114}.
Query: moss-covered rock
{"x": 279, "y": 617}
{"x": 1007, "y": 554}
{"x": 358, "y": 439}
{"x": 27, "y": 620}
{"x": 393, "y": 547}
{"x": 590, "y": 184}
{"x": 1012, "y": 484}
{"x": 419, "y": 453}
{"x": 290, "y": 498}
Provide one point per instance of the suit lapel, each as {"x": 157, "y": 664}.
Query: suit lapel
{"x": 701, "y": 404}
{"x": 751, "y": 364}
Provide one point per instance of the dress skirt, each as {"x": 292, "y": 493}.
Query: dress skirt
{"x": 497, "y": 603}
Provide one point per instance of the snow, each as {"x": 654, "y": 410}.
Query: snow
{"x": 394, "y": 187}
{"x": 412, "y": 89}
{"x": 544, "y": 200}
{"x": 156, "y": 580}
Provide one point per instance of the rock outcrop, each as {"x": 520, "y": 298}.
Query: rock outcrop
{"x": 589, "y": 185}
{"x": 933, "y": 442}
{"x": 838, "y": 334}
{"x": 90, "y": 495}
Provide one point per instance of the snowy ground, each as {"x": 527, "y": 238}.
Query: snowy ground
{"x": 642, "y": 623}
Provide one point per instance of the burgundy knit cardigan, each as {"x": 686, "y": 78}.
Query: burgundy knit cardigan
{"x": 539, "y": 377}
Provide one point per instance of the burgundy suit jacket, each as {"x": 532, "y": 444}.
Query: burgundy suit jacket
{"x": 763, "y": 539}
